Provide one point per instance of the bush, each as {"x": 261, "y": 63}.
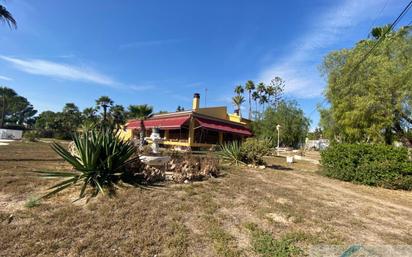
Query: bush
{"x": 374, "y": 165}
{"x": 250, "y": 151}
{"x": 231, "y": 152}
{"x": 30, "y": 136}
{"x": 254, "y": 149}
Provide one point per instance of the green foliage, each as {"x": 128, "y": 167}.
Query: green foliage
{"x": 32, "y": 202}
{"x": 249, "y": 152}
{"x": 253, "y": 150}
{"x": 59, "y": 125}
{"x": 142, "y": 111}
{"x": 315, "y": 135}
{"x": 264, "y": 244}
{"x": 30, "y": 135}
{"x": 294, "y": 125}
{"x": 99, "y": 164}
{"x": 369, "y": 164}
{"x": 371, "y": 102}
{"x": 231, "y": 152}
{"x": 15, "y": 109}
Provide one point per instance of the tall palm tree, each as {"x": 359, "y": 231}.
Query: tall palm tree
{"x": 238, "y": 100}
{"x": 141, "y": 112}
{"x": 104, "y": 102}
{"x": 255, "y": 97}
{"x": 239, "y": 90}
{"x": 261, "y": 89}
{"x": 250, "y": 86}
{"x": 6, "y": 17}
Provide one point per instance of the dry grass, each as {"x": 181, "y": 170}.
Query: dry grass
{"x": 211, "y": 218}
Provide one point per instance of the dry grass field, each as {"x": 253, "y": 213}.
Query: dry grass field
{"x": 280, "y": 211}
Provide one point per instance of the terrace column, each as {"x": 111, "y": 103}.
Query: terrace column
{"x": 166, "y": 134}
{"x": 220, "y": 137}
{"x": 191, "y": 138}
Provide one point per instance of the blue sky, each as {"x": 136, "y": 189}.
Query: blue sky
{"x": 161, "y": 52}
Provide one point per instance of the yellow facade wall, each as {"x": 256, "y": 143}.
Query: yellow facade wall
{"x": 219, "y": 112}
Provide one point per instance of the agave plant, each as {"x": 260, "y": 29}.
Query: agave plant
{"x": 99, "y": 162}
{"x": 231, "y": 152}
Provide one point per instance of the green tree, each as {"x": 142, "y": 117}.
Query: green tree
{"x": 275, "y": 91}
{"x": 239, "y": 90}
{"x": 117, "y": 115}
{"x": 14, "y": 109}
{"x": 370, "y": 98}
{"x": 141, "y": 112}
{"x": 294, "y": 124}
{"x": 255, "y": 97}
{"x": 263, "y": 98}
{"x": 237, "y": 101}
{"x": 70, "y": 118}
{"x": 250, "y": 86}
{"x": 6, "y": 17}
{"x": 104, "y": 102}
{"x": 89, "y": 114}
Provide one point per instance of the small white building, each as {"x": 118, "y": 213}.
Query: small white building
{"x": 11, "y": 134}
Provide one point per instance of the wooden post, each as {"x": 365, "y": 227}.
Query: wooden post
{"x": 220, "y": 137}
{"x": 166, "y": 134}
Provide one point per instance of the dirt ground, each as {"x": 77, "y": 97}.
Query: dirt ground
{"x": 289, "y": 210}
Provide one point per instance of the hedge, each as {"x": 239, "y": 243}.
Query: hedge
{"x": 374, "y": 165}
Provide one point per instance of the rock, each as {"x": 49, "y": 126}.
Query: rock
{"x": 186, "y": 181}
{"x": 262, "y": 167}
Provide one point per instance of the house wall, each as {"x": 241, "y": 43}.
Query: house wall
{"x": 219, "y": 112}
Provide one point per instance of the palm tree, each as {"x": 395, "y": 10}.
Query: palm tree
{"x": 6, "y": 17}
{"x": 104, "y": 102}
{"x": 255, "y": 97}
{"x": 261, "y": 89}
{"x": 238, "y": 100}
{"x": 270, "y": 91}
{"x": 250, "y": 86}
{"x": 141, "y": 112}
{"x": 239, "y": 90}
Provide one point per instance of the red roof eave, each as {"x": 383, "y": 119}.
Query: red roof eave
{"x": 224, "y": 126}
{"x": 164, "y": 123}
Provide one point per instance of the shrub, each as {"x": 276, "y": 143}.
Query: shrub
{"x": 254, "y": 149}
{"x": 250, "y": 151}
{"x": 100, "y": 162}
{"x": 30, "y": 136}
{"x": 231, "y": 152}
{"x": 374, "y": 165}
{"x": 32, "y": 202}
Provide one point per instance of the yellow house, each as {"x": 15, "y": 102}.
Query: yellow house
{"x": 197, "y": 128}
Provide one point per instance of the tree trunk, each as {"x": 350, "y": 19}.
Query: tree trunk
{"x": 250, "y": 105}
{"x": 142, "y": 134}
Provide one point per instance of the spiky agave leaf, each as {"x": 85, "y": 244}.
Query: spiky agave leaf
{"x": 231, "y": 152}
{"x": 102, "y": 154}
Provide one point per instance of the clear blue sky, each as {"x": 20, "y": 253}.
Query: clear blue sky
{"x": 161, "y": 52}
